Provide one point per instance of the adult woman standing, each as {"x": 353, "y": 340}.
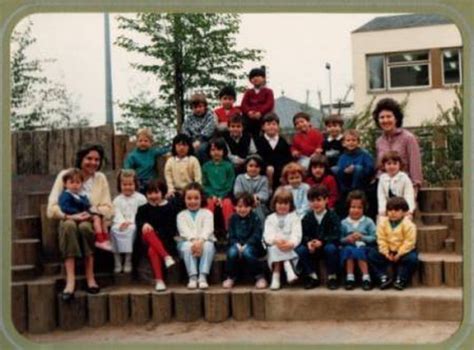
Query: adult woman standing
{"x": 388, "y": 117}
{"x": 76, "y": 234}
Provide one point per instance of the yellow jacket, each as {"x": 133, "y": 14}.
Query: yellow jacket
{"x": 401, "y": 239}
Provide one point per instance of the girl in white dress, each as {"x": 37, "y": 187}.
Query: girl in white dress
{"x": 123, "y": 225}
{"x": 282, "y": 234}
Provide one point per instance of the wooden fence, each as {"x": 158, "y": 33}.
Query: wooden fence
{"x": 50, "y": 151}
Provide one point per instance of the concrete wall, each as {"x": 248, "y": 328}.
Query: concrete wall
{"x": 422, "y": 103}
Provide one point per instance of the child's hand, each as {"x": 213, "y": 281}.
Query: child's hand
{"x": 124, "y": 225}
{"x": 311, "y": 246}
{"x": 219, "y": 202}
{"x": 396, "y": 257}
{"x": 147, "y": 228}
{"x": 357, "y": 236}
{"x": 349, "y": 169}
{"x": 257, "y": 115}
{"x": 196, "y": 248}
{"x": 256, "y": 199}
{"x": 318, "y": 151}
{"x": 295, "y": 153}
{"x": 317, "y": 243}
{"x": 170, "y": 194}
{"x": 84, "y": 216}
{"x": 240, "y": 248}
{"x": 286, "y": 246}
{"x": 196, "y": 144}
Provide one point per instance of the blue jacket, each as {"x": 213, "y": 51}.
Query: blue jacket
{"x": 366, "y": 227}
{"x": 358, "y": 157}
{"x": 71, "y": 205}
{"x": 245, "y": 230}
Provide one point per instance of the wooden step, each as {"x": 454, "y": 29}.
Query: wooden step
{"x": 432, "y": 199}
{"x": 430, "y": 239}
{"x": 23, "y": 272}
{"x": 27, "y": 226}
{"x": 25, "y": 251}
{"x": 434, "y": 272}
{"x": 52, "y": 269}
{"x": 442, "y": 218}
{"x": 35, "y": 200}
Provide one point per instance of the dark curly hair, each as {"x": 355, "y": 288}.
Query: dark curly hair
{"x": 85, "y": 150}
{"x": 184, "y": 139}
{"x": 388, "y": 104}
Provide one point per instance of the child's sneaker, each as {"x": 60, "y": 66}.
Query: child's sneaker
{"x": 385, "y": 282}
{"x": 169, "y": 261}
{"x": 349, "y": 284}
{"x": 261, "y": 283}
{"x": 117, "y": 263}
{"x": 332, "y": 283}
{"x": 202, "y": 282}
{"x": 192, "y": 284}
{"x": 275, "y": 285}
{"x": 400, "y": 284}
{"x": 228, "y": 283}
{"x": 366, "y": 284}
{"x": 310, "y": 282}
{"x": 127, "y": 266}
{"x": 160, "y": 286}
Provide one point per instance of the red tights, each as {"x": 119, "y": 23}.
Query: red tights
{"x": 156, "y": 252}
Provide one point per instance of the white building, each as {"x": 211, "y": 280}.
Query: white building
{"x": 416, "y": 54}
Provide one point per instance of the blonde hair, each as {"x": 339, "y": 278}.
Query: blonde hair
{"x": 126, "y": 173}
{"x": 282, "y": 195}
{"x": 292, "y": 168}
{"x": 145, "y": 132}
{"x": 352, "y": 132}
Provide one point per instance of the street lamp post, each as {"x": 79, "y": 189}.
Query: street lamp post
{"x": 328, "y": 67}
{"x": 109, "y": 112}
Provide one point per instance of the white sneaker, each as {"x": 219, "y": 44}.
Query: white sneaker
{"x": 169, "y": 261}
{"x": 192, "y": 284}
{"x": 261, "y": 283}
{"x": 291, "y": 277}
{"x": 160, "y": 286}
{"x": 203, "y": 282}
{"x": 127, "y": 266}
{"x": 228, "y": 283}
{"x": 275, "y": 285}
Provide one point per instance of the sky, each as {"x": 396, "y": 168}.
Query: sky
{"x": 296, "y": 48}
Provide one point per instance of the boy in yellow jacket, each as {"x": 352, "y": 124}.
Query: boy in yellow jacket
{"x": 396, "y": 239}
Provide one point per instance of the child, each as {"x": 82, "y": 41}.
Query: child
{"x": 239, "y": 143}
{"x": 319, "y": 174}
{"x": 218, "y": 178}
{"x": 273, "y": 149}
{"x": 282, "y": 234}
{"x": 321, "y": 234}
{"x": 123, "y": 225}
{"x": 394, "y": 183}
{"x": 245, "y": 242}
{"x": 196, "y": 227}
{"x": 307, "y": 141}
{"x": 396, "y": 240}
{"x": 142, "y": 159}
{"x": 200, "y": 125}
{"x": 156, "y": 221}
{"x": 71, "y": 202}
{"x": 227, "y": 109}
{"x": 254, "y": 183}
{"x": 257, "y": 102}
{"x": 182, "y": 168}
{"x": 332, "y": 145}
{"x": 357, "y": 234}
{"x": 355, "y": 166}
{"x": 293, "y": 178}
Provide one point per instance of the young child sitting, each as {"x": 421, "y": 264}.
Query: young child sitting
{"x": 321, "y": 234}
{"x": 71, "y": 202}
{"x": 355, "y": 166}
{"x": 143, "y": 158}
{"x": 200, "y": 125}
{"x": 357, "y": 234}
{"x": 292, "y": 177}
{"x": 255, "y": 183}
{"x": 156, "y": 222}
{"x": 282, "y": 234}
{"x": 394, "y": 183}
{"x": 239, "y": 143}
{"x": 396, "y": 240}
{"x": 196, "y": 231}
{"x": 319, "y": 174}
{"x": 308, "y": 141}
{"x": 227, "y": 109}
{"x": 218, "y": 178}
{"x": 257, "y": 102}
{"x": 123, "y": 228}
{"x": 245, "y": 242}
{"x": 273, "y": 149}
{"x": 332, "y": 145}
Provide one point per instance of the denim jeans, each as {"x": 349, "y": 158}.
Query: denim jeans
{"x": 249, "y": 257}
{"x": 192, "y": 263}
{"x": 331, "y": 256}
{"x": 406, "y": 265}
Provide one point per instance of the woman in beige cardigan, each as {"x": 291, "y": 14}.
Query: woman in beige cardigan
{"x": 76, "y": 234}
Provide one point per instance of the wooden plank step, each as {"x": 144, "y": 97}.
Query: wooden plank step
{"x": 23, "y": 273}
{"x": 27, "y": 226}
{"x": 35, "y": 200}
{"x": 432, "y": 199}
{"x": 25, "y": 251}
{"x": 434, "y": 273}
{"x": 431, "y": 238}
{"x": 442, "y": 218}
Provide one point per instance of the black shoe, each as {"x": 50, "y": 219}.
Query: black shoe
{"x": 93, "y": 290}
{"x": 332, "y": 283}
{"x": 385, "y": 282}
{"x": 366, "y": 285}
{"x": 399, "y": 284}
{"x": 67, "y": 296}
{"x": 310, "y": 282}
{"x": 349, "y": 284}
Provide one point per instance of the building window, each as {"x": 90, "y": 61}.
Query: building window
{"x": 408, "y": 69}
{"x": 376, "y": 72}
{"x": 451, "y": 66}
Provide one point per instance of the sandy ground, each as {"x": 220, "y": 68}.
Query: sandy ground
{"x": 260, "y": 332}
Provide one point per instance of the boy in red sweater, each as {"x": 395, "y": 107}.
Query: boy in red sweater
{"x": 256, "y": 102}
{"x": 227, "y": 110}
{"x": 307, "y": 141}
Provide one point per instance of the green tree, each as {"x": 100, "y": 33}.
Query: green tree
{"x": 186, "y": 52}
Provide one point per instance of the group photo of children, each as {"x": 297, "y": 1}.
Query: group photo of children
{"x": 284, "y": 210}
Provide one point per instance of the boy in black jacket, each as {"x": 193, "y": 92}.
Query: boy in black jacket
{"x": 321, "y": 234}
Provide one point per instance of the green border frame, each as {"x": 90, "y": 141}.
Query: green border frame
{"x": 461, "y": 12}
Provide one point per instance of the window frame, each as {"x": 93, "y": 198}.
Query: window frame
{"x": 426, "y": 62}
{"x": 459, "y": 63}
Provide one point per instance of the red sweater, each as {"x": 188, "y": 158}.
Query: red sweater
{"x": 330, "y": 183}
{"x": 262, "y": 102}
{"x": 223, "y": 115}
{"x": 306, "y": 143}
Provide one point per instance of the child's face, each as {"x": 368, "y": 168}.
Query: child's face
{"x": 154, "y": 197}
{"x": 216, "y": 153}
{"x": 242, "y": 209}
{"x": 318, "y": 171}
{"x": 192, "y": 199}
{"x": 235, "y": 129}
{"x": 74, "y": 185}
{"x": 271, "y": 128}
{"x": 143, "y": 143}
{"x": 356, "y": 209}
{"x": 199, "y": 109}
{"x": 294, "y": 179}
{"x": 257, "y": 81}
{"x": 182, "y": 149}
{"x": 282, "y": 208}
{"x": 395, "y": 214}
{"x": 227, "y": 102}
{"x": 387, "y": 120}
{"x": 350, "y": 142}
{"x": 127, "y": 186}
{"x": 392, "y": 167}
{"x": 302, "y": 125}
{"x": 334, "y": 129}
{"x": 253, "y": 169}
{"x": 319, "y": 204}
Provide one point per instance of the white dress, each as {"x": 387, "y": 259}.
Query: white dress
{"x": 286, "y": 227}
{"x": 125, "y": 209}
